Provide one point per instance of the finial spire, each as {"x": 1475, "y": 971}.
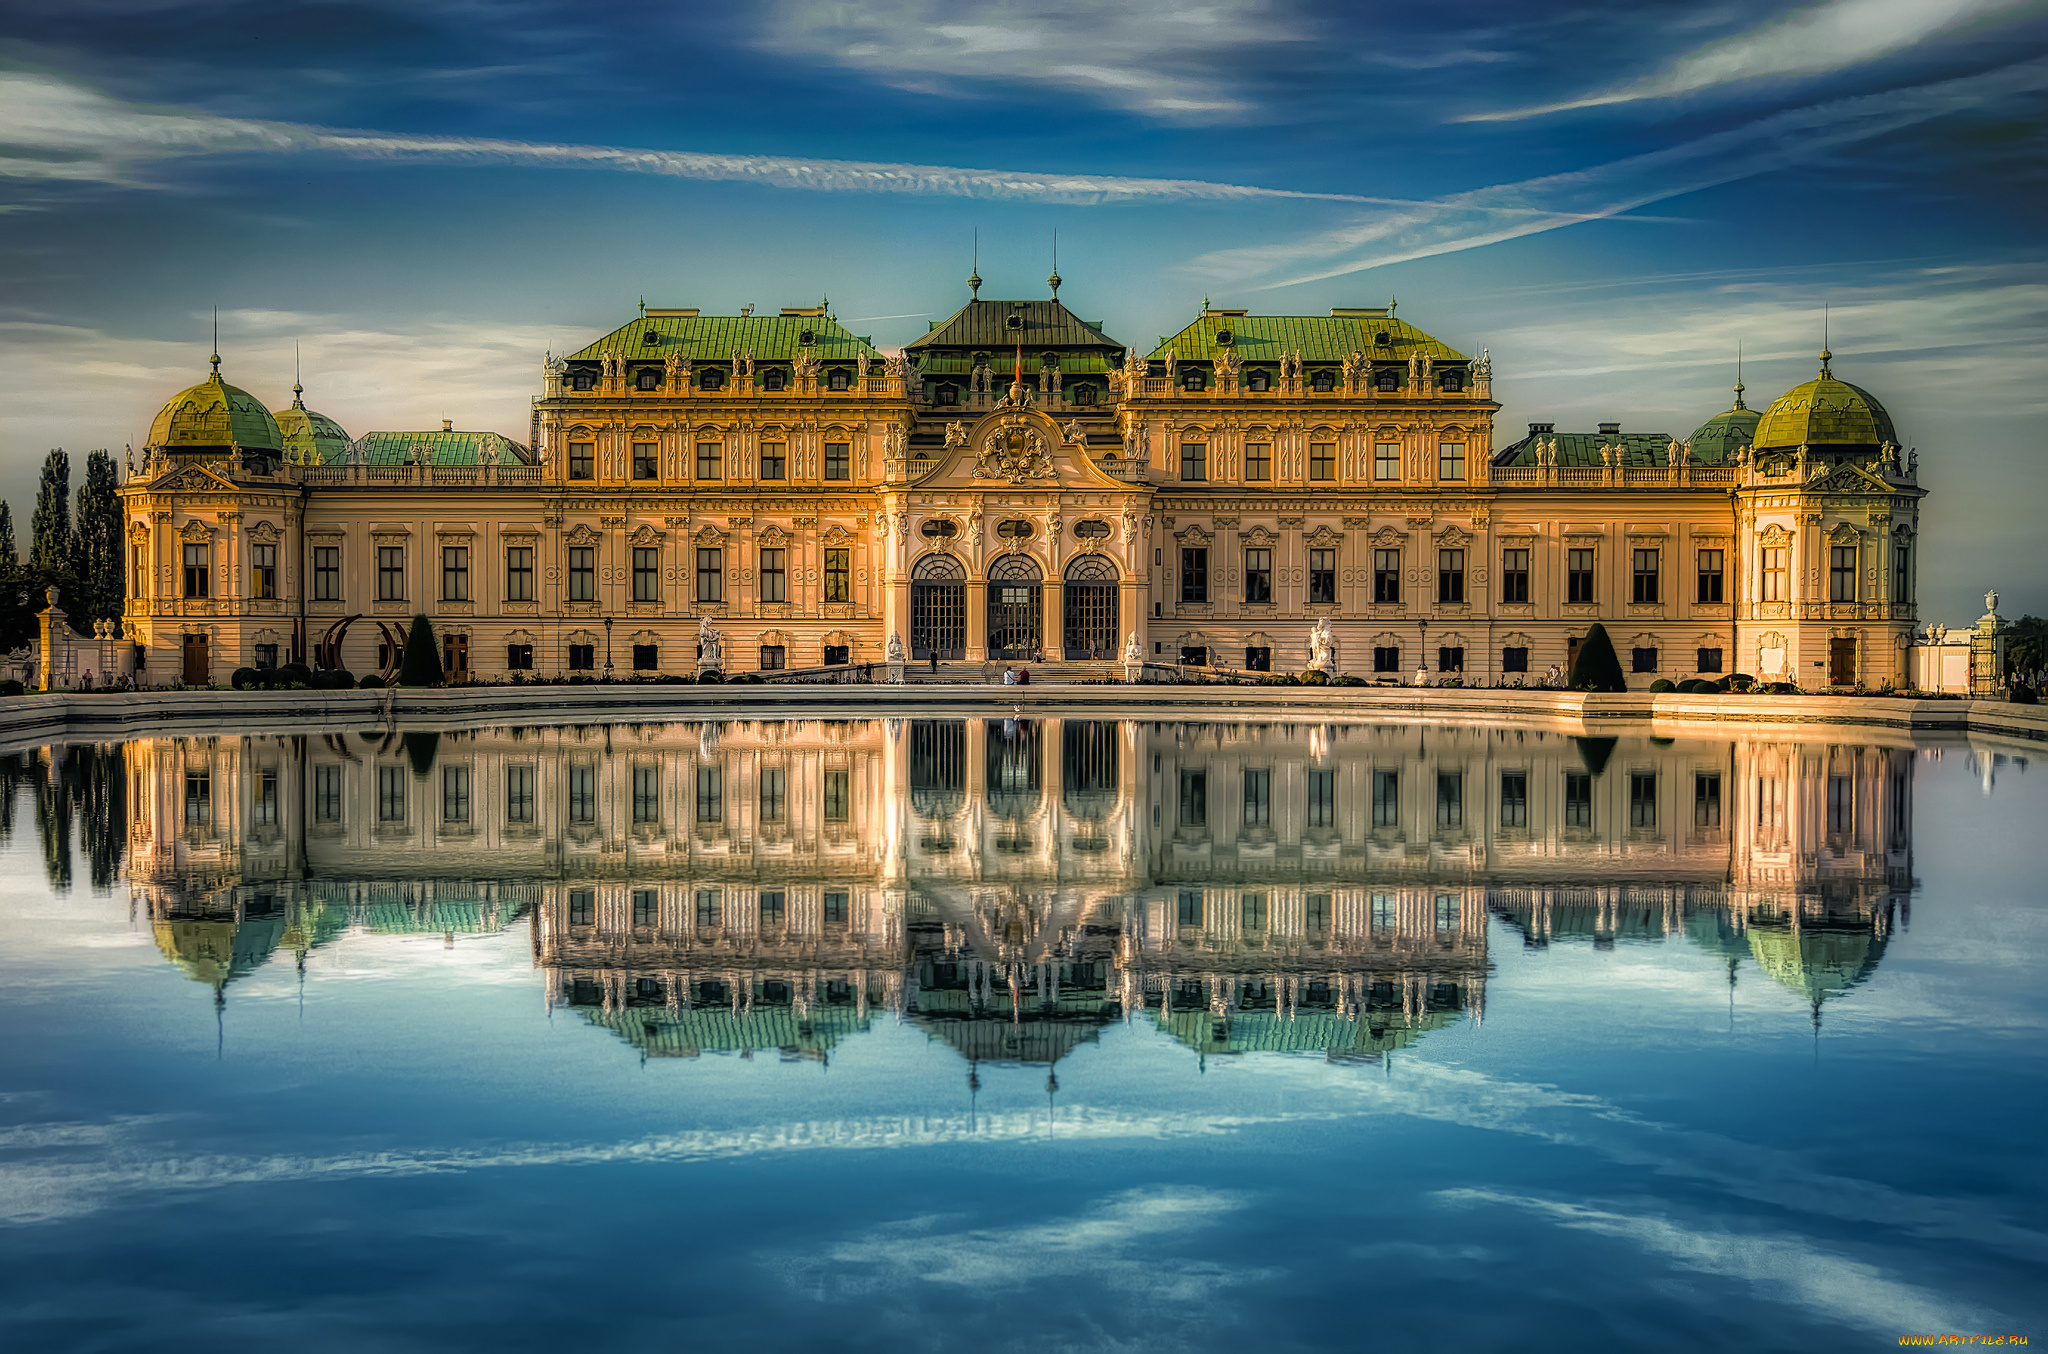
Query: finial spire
{"x": 215, "y": 359}
{"x": 1739, "y": 387}
{"x": 1825, "y": 356}
{"x": 298, "y": 391}
{"x": 1054, "y": 280}
{"x": 1393, "y": 304}
{"x": 643, "y": 307}
{"x": 974, "y": 275}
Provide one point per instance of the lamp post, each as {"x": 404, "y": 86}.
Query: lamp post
{"x": 607, "y": 648}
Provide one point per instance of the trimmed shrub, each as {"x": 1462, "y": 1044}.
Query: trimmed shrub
{"x": 340, "y": 679}
{"x": 1781, "y": 689}
{"x": 1350, "y": 679}
{"x": 1737, "y": 681}
{"x": 246, "y": 679}
{"x": 1313, "y": 677}
{"x": 1596, "y": 668}
{"x": 422, "y": 665}
{"x": 295, "y": 672}
{"x": 711, "y": 676}
{"x": 420, "y": 749}
{"x": 11, "y": 687}
{"x": 746, "y": 678}
{"x": 1663, "y": 684}
{"x": 371, "y": 682}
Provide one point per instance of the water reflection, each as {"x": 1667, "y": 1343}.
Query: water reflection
{"x": 1009, "y": 886}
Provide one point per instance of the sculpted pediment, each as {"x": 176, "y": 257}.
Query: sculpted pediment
{"x": 646, "y": 535}
{"x": 1386, "y": 538}
{"x": 581, "y": 534}
{"x": 193, "y": 479}
{"x": 1012, "y": 446}
{"x": 196, "y": 532}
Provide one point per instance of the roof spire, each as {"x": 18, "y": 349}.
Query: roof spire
{"x": 215, "y": 359}
{"x": 1393, "y": 304}
{"x": 1054, "y": 280}
{"x": 643, "y": 307}
{"x": 1739, "y": 387}
{"x": 1825, "y": 356}
{"x": 974, "y": 277}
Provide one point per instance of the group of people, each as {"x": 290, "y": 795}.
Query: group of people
{"x": 1016, "y": 676}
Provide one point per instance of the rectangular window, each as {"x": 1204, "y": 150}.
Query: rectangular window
{"x": 1514, "y": 660}
{"x": 646, "y": 465}
{"x": 1578, "y": 799}
{"x": 774, "y": 907}
{"x": 1188, "y": 908}
{"x": 582, "y": 573}
{"x": 1251, "y": 912}
{"x": 646, "y": 658}
{"x": 1514, "y": 799}
{"x": 707, "y": 907}
{"x": 1258, "y": 575}
{"x": 391, "y": 794}
{"x": 1645, "y": 576}
{"x": 1710, "y": 661}
{"x": 838, "y": 796}
{"x": 1386, "y": 658}
{"x": 835, "y": 908}
{"x": 327, "y": 573}
{"x": 1642, "y": 799}
{"x": 646, "y": 907}
{"x": 1194, "y": 799}
{"x": 1386, "y": 460}
{"x": 519, "y": 794}
{"x": 1450, "y": 799}
{"x": 583, "y": 794}
{"x": 1642, "y": 660}
{"x": 583, "y": 460}
{"x": 1258, "y": 461}
{"x": 1710, "y": 575}
{"x": 263, "y": 802}
{"x": 1386, "y": 577}
{"x": 1578, "y": 575}
{"x": 1322, "y": 460}
{"x": 198, "y": 799}
{"x": 1446, "y": 912}
{"x": 1322, "y": 799}
{"x": 1775, "y": 559}
{"x": 391, "y": 573}
{"x": 455, "y": 573}
{"x": 838, "y": 461}
{"x": 1902, "y": 577}
{"x": 1322, "y": 576}
{"x": 1258, "y": 798}
{"x": 519, "y": 573}
{"x": 1706, "y": 800}
{"x": 138, "y": 571}
{"x": 710, "y": 574}
{"x": 710, "y": 460}
{"x": 710, "y": 794}
{"x": 838, "y": 574}
{"x": 774, "y": 657}
{"x": 1450, "y": 658}
{"x": 455, "y": 794}
{"x": 1450, "y": 576}
{"x": 1384, "y": 913}
{"x": 519, "y": 657}
{"x": 326, "y": 794}
{"x": 1514, "y": 575}
{"x": 582, "y": 657}
{"x": 1194, "y": 460}
{"x": 263, "y": 571}
{"x": 1194, "y": 574}
{"x": 774, "y": 460}
{"x": 774, "y": 575}
{"x": 1386, "y": 799}
{"x": 1316, "y": 914}
{"x": 1450, "y": 460}
{"x": 582, "y": 907}
{"x": 774, "y": 794}
{"x": 646, "y": 573}
{"x": 266, "y": 656}
{"x": 1842, "y": 573}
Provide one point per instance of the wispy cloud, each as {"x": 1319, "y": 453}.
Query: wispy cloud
{"x": 1789, "y": 1268}
{"x": 1812, "y": 41}
{"x": 1163, "y": 58}
{"x": 1484, "y": 216}
{"x": 58, "y": 130}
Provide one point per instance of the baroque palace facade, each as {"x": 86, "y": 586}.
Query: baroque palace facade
{"x": 1018, "y": 483}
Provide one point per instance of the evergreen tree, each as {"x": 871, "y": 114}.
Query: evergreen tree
{"x": 422, "y": 665}
{"x": 50, "y": 549}
{"x": 18, "y": 597}
{"x": 97, "y": 552}
{"x": 1596, "y": 668}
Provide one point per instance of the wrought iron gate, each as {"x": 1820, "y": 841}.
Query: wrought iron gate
{"x": 1015, "y": 608}
{"x": 938, "y": 608}
{"x": 1088, "y": 628}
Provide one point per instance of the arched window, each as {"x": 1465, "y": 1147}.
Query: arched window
{"x": 1323, "y": 382}
{"x": 1387, "y": 381}
{"x": 1091, "y": 530}
{"x": 838, "y": 380}
{"x": 939, "y": 569}
{"x": 1454, "y": 381}
{"x": 1195, "y": 379}
{"x": 1015, "y": 529}
{"x": 775, "y": 379}
{"x": 939, "y": 530}
{"x": 711, "y": 379}
{"x": 648, "y": 379}
{"x": 1259, "y": 381}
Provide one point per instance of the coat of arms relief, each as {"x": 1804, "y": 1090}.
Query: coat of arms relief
{"x": 1013, "y": 451}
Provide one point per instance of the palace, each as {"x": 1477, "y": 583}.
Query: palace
{"x": 1016, "y": 483}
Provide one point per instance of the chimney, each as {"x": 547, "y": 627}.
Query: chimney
{"x": 1610, "y": 429}
{"x": 1535, "y": 428}
{"x": 447, "y": 425}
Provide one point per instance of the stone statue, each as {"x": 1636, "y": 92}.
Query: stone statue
{"x": 1913, "y": 461}
{"x": 861, "y": 364}
{"x": 710, "y": 652}
{"x": 1355, "y": 368}
{"x": 1888, "y": 456}
{"x": 1134, "y": 652}
{"x": 1990, "y": 601}
{"x": 1172, "y": 363}
{"x": 895, "y": 647}
{"x": 1075, "y": 433}
{"x": 806, "y": 367}
{"x": 956, "y": 434}
{"x": 1228, "y": 364}
{"x": 1482, "y": 370}
{"x": 675, "y": 368}
{"x": 1322, "y": 647}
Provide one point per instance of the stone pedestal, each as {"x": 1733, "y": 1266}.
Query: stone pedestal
{"x": 1134, "y": 672}
{"x": 892, "y": 673}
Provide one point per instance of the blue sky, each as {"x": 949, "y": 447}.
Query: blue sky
{"x": 422, "y": 198}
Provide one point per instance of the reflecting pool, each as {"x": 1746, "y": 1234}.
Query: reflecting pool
{"x": 1021, "y": 1034}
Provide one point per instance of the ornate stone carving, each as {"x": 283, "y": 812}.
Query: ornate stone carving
{"x": 1013, "y": 451}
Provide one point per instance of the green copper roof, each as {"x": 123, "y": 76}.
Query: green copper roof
{"x": 985, "y": 326}
{"x": 1318, "y": 338}
{"x": 1720, "y": 437}
{"x": 1309, "y": 1031}
{"x": 1582, "y": 450}
{"x": 1817, "y": 961}
{"x": 309, "y": 438}
{"x": 1825, "y": 412}
{"x": 669, "y": 1032}
{"x": 438, "y": 448}
{"x": 715, "y": 338}
{"x": 218, "y": 952}
{"x": 214, "y": 415}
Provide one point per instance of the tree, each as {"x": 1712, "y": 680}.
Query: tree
{"x": 2026, "y": 646}
{"x": 1596, "y": 668}
{"x": 422, "y": 663}
{"x": 17, "y": 605}
{"x": 50, "y": 550}
{"x": 96, "y": 554}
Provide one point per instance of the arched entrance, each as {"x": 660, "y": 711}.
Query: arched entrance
{"x": 1089, "y": 607}
{"x": 1015, "y": 608}
{"x": 938, "y": 608}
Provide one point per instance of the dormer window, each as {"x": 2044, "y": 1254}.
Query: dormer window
{"x": 1084, "y": 394}
{"x": 1382, "y": 339}
{"x": 1454, "y": 382}
{"x": 650, "y": 338}
{"x": 1258, "y": 381}
{"x": 774, "y": 380}
{"x": 1387, "y": 382}
{"x": 807, "y": 337}
{"x": 1323, "y": 382}
{"x": 1196, "y": 379}
{"x": 948, "y": 395}
{"x": 649, "y": 379}
{"x": 711, "y": 379}
{"x": 582, "y": 380}
{"x": 1224, "y": 338}
{"x": 1014, "y": 323}
{"x": 838, "y": 380}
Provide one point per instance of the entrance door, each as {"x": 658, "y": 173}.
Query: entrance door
{"x": 198, "y": 671}
{"x": 1089, "y": 604}
{"x": 1841, "y": 662}
{"x": 1015, "y": 608}
{"x": 455, "y": 657}
{"x": 938, "y": 608}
